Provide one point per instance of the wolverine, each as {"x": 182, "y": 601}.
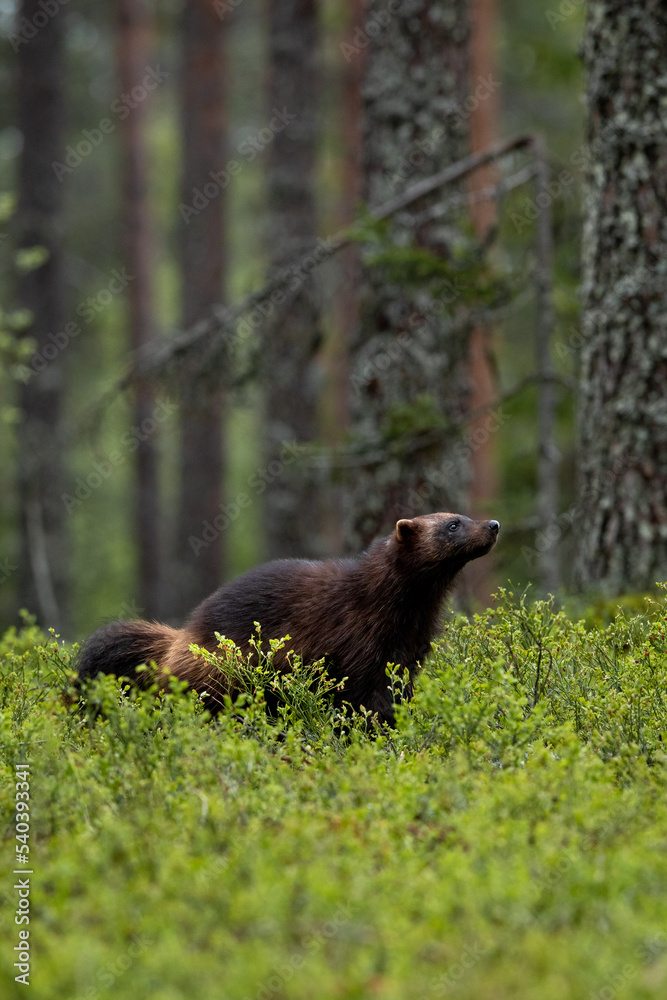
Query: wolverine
{"x": 357, "y": 615}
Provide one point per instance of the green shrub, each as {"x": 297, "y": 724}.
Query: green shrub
{"x": 506, "y": 840}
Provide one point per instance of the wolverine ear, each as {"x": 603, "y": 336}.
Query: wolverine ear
{"x": 405, "y": 529}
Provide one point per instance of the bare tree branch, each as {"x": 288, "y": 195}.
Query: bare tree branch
{"x": 489, "y": 193}
{"x": 450, "y": 174}
{"x": 222, "y": 320}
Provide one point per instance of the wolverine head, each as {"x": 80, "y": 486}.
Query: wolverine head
{"x": 449, "y": 539}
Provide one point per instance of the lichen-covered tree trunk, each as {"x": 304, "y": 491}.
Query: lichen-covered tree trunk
{"x": 408, "y": 364}
{"x": 293, "y": 508}
{"x": 44, "y": 552}
{"x": 622, "y": 526}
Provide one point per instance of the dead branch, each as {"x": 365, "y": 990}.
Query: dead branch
{"x": 160, "y": 355}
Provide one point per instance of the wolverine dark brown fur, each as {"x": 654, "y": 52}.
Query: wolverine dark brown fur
{"x": 358, "y": 614}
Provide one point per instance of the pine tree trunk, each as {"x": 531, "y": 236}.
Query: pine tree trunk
{"x": 346, "y": 295}
{"x": 44, "y": 551}
{"x": 408, "y": 350}
{"x": 135, "y": 44}
{"x": 293, "y": 506}
{"x": 200, "y": 549}
{"x": 622, "y": 515}
{"x": 484, "y": 131}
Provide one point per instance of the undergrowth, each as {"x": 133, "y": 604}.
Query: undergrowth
{"x": 505, "y": 840}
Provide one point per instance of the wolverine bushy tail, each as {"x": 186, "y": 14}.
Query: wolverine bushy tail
{"x": 119, "y": 647}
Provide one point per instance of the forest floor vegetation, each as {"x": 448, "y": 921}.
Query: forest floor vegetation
{"x": 507, "y": 840}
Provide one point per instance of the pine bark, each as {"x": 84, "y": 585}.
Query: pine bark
{"x": 200, "y": 566}
{"x": 134, "y": 52}
{"x": 293, "y": 504}
{"x": 622, "y": 522}
{"x": 484, "y": 132}
{"x": 415, "y": 84}
{"x": 44, "y": 550}
{"x": 346, "y": 295}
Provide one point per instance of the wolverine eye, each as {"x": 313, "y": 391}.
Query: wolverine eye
{"x": 453, "y": 525}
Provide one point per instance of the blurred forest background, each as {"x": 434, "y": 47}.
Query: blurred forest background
{"x": 200, "y": 372}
